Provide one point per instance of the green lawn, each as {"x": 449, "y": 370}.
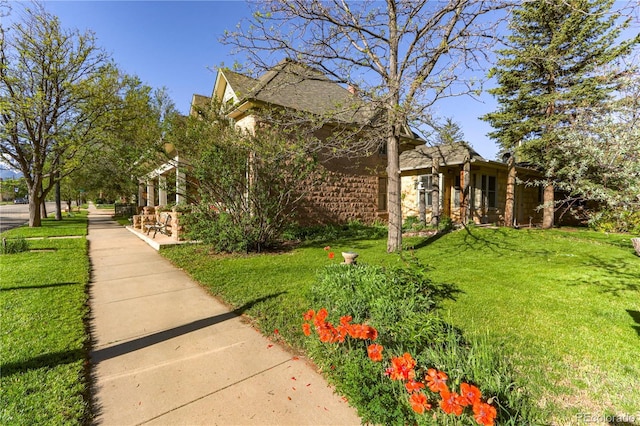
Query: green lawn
{"x": 43, "y": 304}
{"x": 563, "y": 306}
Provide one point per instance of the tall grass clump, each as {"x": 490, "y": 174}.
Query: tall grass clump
{"x": 402, "y": 305}
{"x": 16, "y": 245}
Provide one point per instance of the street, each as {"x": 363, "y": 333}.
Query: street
{"x": 14, "y": 215}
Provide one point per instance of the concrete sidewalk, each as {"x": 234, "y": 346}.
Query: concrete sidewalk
{"x": 166, "y": 352}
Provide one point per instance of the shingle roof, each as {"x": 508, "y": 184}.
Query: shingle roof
{"x": 448, "y": 155}
{"x": 302, "y": 88}
{"x": 240, "y": 83}
{"x": 199, "y": 101}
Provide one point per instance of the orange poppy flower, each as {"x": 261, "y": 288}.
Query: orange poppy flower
{"x": 369, "y": 332}
{"x": 470, "y": 394}
{"x": 306, "y": 329}
{"x": 413, "y": 386}
{"x": 332, "y": 255}
{"x": 436, "y": 380}
{"x": 450, "y": 403}
{"x": 321, "y": 316}
{"x": 484, "y": 413}
{"x": 308, "y": 316}
{"x": 402, "y": 368}
{"x": 327, "y": 248}
{"x": 419, "y": 402}
{"x": 375, "y": 352}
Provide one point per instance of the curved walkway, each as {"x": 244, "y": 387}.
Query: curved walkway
{"x": 166, "y": 352}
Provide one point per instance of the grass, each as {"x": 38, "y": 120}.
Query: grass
{"x": 75, "y": 225}
{"x": 43, "y": 302}
{"x": 563, "y": 306}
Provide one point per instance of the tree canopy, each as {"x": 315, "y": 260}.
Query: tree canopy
{"x": 401, "y": 57}
{"x": 553, "y": 67}
{"x": 62, "y": 99}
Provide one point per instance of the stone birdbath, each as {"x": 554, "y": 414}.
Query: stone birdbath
{"x": 636, "y": 245}
{"x": 349, "y": 257}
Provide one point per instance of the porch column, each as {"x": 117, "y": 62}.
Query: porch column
{"x": 141, "y": 202}
{"x": 465, "y": 211}
{"x": 435, "y": 191}
{"x": 151, "y": 193}
{"x": 162, "y": 190}
{"x": 181, "y": 187}
{"x": 509, "y": 214}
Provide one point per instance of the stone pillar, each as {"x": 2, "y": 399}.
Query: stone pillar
{"x": 141, "y": 202}
{"x": 151, "y": 193}
{"x": 162, "y": 190}
{"x": 465, "y": 211}
{"x": 181, "y": 187}
{"x": 509, "y": 214}
{"x": 435, "y": 191}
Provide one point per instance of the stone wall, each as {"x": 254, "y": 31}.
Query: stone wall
{"x": 343, "y": 191}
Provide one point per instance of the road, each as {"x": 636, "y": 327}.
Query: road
{"x": 14, "y": 215}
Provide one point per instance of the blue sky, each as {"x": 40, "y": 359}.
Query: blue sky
{"x": 174, "y": 44}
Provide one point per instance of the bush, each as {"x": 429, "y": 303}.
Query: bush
{"x": 17, "y": 245}
{"x": 402, "y": 305}
{"x": 621, "y": 220}
{"x": 225, "y": 234}
{"x": 325, "y": 233}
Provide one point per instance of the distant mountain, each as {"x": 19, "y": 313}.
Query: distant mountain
{"x": 10, "y": 174}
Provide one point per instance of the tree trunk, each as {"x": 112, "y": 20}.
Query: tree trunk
{"x": 58, "y": 202}
{"x": 435, "y": 191}
{"x": 548, "y": 207}
{"x": 509, "y": 207}
{"x": 394, "y": 201}
{"x": 35, "y": 219}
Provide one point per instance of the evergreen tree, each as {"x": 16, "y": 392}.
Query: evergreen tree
{"x": 448, "y": 133}
{"x": 552, "y": 68}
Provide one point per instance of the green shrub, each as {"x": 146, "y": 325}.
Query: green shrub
{"x": 225, "y": 234}
{"x": 16, "y": 245}
{"x": 620, "y": 220}
{"x": 326, "y": 233}
{"x": 402, "y": 304}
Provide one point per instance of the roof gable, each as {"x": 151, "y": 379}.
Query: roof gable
{"x": 447, "y": 154}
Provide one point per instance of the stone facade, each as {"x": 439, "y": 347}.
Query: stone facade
{"x": 487, "y": 195}
{"x": 152, "y": 215}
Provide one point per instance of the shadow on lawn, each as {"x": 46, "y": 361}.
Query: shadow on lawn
{"x": 48, "y": 361}
{"x": 616, "y": 276}
{"x": 38, "y": 286}
{"x": 636, "y": 317}
{"x": 161, "y": 336}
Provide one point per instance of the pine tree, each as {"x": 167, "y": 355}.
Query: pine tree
{"x": 551, "y": 69}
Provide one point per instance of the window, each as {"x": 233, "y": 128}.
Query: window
{"x": 382, "y": 194}
{"x": 488, "y": 188}
{"x": 456, "y": 192}
{"x": 425, "y": 183}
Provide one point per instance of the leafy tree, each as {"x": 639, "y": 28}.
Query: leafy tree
{"x": 249, "y": 184}
{"x": 401, "y": 57}
{"x": 448, "y": 133}
{"x": 600, "y": 159}
{"x": 553, "y": 67}
{"x": 57, "y": 91}
{"x": 133, "y": 141}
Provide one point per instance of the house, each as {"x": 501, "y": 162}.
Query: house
{"x": 467, "y": 187}
{"x": 350, "y": 187}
